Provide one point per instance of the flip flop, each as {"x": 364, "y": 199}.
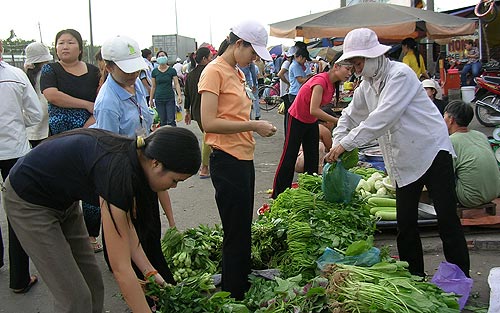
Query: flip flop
{"x": 204, "y": 176}
{"x": 33, "y": 281}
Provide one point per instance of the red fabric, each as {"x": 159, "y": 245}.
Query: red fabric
{"x": 301, "y": 106}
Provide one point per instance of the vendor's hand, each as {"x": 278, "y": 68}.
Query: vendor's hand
{"x": 334, "y": 153}
{"x": 179, "y": 100}
{"x": 264, "y": 128}
{"x": 160, "y": 281}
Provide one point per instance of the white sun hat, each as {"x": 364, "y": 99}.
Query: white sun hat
{"x": 37, "y": 52}
{"x": 362, "y": 42}
{"x": 125, "y": 52}
{"x": 254, "y": 33}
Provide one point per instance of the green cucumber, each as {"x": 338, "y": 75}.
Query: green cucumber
{"x": 382, "y": 202}
{"x": 386, "y": 215}
{"x": 376, "y": 209}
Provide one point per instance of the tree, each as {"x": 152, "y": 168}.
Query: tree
{"x": 14, "y": 46}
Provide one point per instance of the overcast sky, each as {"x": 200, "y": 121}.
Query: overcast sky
{"x": 207, "y": 21}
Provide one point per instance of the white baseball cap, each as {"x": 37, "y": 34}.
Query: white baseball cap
{"x": 428, "y": 83}
{"x": 291, "y": 51}
{"x": 125, "y": 52}
{"x": 362, "y": 42}
{"x": 254, "y": 33}
{"x": 37, "y": 52}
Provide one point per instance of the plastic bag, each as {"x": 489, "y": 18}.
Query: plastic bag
{"x": 338, "y": 183}
{"x": 178, "y": 113}
{"x": 281, "y": 108}
{"x": 494, "y": 282}
{"x": 330, "y": 256}
{"x": 450, "y": 278}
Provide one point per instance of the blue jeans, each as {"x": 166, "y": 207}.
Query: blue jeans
{"x": 166, "y": 111}
{"x": 474, "y": 68}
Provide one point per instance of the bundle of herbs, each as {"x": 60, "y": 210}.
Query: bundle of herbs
{"x": 193, "y": 252}
{"x": 384, "y": 287}
{"x": 311, "y": 224}
{"x": 287, "y": 295}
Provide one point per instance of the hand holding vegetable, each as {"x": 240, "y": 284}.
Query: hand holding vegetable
{"x": 264, "y": 128}
{"x": 334, "y": 153}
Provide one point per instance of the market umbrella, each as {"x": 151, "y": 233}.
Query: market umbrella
{"x": 389, "y": 21}
{"x": 278, "y": 50}
{"x": 327, "y": 53}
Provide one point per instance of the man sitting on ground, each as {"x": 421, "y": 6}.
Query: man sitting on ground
{"x": 476, "y": 169}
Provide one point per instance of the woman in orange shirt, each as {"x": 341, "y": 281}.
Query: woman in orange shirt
{"x": 225, "y": 115}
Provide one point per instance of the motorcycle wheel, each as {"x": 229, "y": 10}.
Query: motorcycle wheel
{"x": 487, "y": 117}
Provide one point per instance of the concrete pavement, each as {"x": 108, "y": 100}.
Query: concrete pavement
{"x": 194, "y": 204}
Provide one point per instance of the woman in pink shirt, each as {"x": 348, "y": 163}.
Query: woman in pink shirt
{"x": 302, "y": 128}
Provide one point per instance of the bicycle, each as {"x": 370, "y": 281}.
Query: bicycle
{"x": 486, "y": 10}
{"x": 269, "y": 95}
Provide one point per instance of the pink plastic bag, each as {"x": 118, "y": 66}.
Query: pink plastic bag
{"x": 450, "y": 278}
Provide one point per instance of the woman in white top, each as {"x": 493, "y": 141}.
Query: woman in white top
{"x": 391, "y": 105}
{"x": 37, "y": 54}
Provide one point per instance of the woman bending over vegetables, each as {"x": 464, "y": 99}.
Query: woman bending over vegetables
{"x": 121, "y": 174}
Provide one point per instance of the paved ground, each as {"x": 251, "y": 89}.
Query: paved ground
{"x": 194, "y": 204}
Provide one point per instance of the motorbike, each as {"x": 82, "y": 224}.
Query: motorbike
{"x": 487, "y": 99}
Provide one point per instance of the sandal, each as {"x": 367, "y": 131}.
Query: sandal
{"x": 33, "y": 281}
{"x": 97, "y": 246}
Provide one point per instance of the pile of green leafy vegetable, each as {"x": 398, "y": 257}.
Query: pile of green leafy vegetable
{"x": 306, "y": 225}
{"x": 384, "y": 287}
{"x": 290, "y": 237}
{"x": 193, "y": 252}
{"x": 287, "y": 295}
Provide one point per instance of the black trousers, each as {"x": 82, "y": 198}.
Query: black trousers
{"x": 286, "y": 100}
{"x": 19, "y": 267}
{"x": 298, "y": 133}
{"x": 440, "y": 182}
{"x": 234, "y": 183}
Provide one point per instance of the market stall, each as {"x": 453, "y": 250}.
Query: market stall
{"x": 390, "y": 22}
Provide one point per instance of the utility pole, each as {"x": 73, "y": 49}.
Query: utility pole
{"x": 429, "y": 48}
{"x": 91, "y": 51}
{"x": 176, "y": 25}
{"x": 40, "y": 31}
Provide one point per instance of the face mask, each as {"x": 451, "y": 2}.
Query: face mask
{"x": 370, "y": 68}
{"x": 162, "y": 60}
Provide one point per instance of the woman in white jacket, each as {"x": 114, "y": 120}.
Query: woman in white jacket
{"x": 391, "y": 105}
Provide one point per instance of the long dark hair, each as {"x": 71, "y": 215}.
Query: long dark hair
{"x": 231, "y": 40}
{"x": 192, "y": 60}
{"x": 176, "y": 148}
{"x": 412, "y": 44}
{"x": 201, "y": 53}
{"x": 77, "y": 36}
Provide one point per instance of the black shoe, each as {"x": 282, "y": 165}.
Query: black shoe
{"x": 257, "y": 118}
